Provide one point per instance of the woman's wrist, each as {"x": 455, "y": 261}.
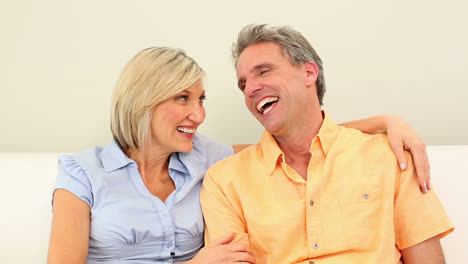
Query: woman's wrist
{"x": 389, "y": 121}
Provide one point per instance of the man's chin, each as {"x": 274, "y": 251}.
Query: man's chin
{"x": 272, "y": 129}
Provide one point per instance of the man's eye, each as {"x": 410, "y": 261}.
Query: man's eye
{"x": 242, "y": 86}
{"x": 262, "y": 72}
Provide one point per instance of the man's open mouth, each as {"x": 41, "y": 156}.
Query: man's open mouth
{"x": 266, "y": 104}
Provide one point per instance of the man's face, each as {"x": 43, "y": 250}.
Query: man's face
{"x": 275, "y": 91}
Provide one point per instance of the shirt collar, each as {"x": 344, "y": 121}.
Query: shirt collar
{"x": 326, "y": 135}
{"x": 325, "y": 138}
{"x": 113, "y": 157}
{"x": 175, "y": 163}
{"x": 271, "y": 151}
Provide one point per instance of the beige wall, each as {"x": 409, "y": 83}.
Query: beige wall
{"x": 59, "y": 60}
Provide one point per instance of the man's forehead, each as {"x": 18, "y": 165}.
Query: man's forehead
{"x": 256, "y": 55}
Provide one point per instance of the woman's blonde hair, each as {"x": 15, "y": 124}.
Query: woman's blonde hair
{"x": 149, "y": 78}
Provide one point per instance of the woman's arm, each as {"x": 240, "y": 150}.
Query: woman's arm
{"x": 69, "y": 237}
{"x": 401, "y": 136}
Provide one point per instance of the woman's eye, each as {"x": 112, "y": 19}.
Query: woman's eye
{"x": 183, "y": 98}
{"x": 202, "y": 98}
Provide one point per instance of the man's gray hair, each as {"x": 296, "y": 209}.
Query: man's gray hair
{"x": 294, "y": 45}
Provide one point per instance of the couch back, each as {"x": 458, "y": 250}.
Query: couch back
{"x": 28, "y": 179}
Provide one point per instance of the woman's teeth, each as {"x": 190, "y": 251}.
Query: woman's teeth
{"x": 186, "y": 130}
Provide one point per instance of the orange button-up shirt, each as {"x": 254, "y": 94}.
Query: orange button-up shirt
{"x": 356, "y": 206}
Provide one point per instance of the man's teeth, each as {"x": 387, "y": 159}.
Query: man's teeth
{"x": 186, "y": 130}
{"x": 268, "y": 109}
{"x": 264, "y": 102}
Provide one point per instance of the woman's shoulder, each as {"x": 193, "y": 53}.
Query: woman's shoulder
{"x": 81, "y": 164}
{"x": 85, "y": 158}
{"x": 210, "y": 151}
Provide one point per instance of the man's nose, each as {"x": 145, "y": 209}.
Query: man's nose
{"x": 252, "y": 86}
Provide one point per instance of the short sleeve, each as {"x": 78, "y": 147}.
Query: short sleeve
{"x": 72, "y": 177}
{"x": 211, "y": 151}
{"x": 418, "y": 216}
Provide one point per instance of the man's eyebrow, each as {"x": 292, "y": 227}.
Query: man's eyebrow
{"x": 260, "y": 66}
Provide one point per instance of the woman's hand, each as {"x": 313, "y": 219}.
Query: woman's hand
{"x": 402, "y": 136}
{"x": 223, "y": 251}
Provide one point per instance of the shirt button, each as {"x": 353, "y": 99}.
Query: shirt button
{"x": 366, "y": 196}
{"x": 316, "y": 245}
{"x": 311, "y": 203}
{"x": 311, "y": 262}
{"x": 281, "y": 159}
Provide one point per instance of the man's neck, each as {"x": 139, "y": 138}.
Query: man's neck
{"x": 296, "y": 144}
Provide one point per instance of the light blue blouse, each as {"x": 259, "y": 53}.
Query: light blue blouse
{"x": 128, "y": 223}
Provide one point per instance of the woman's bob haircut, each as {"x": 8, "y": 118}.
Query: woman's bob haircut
{"x": 149, "y": 78}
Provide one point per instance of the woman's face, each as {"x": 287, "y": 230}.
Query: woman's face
{"x": 176, "y": 119}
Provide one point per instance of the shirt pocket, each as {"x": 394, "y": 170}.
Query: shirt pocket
{"x": 360, "y": 210}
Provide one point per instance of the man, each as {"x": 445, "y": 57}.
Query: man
{"x": 311, "y": 191}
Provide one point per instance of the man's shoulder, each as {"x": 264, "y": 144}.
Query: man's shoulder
{"x": 355, "y": 139}
{"x": 236, "y": 163}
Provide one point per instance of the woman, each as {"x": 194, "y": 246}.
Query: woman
{"x": 137, "y": 199}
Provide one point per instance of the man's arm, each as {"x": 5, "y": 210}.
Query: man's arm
{"x": 427, "y": 252}
{"x": 222, "y": 214}
{"x": 419, "y": 220}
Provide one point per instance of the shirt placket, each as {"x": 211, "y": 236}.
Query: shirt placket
{"x": 314, "y": 212}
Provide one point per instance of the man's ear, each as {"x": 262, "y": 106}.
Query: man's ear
{"x": 312, "y": 72}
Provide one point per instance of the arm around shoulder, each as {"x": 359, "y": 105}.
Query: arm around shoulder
{"x": 401, "y": 136}
{"x": 69, "y": 237}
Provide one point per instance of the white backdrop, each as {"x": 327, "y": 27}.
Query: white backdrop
{"x": 59, "y": 60}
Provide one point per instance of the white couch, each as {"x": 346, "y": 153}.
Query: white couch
{"x": 28, "y": 179}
